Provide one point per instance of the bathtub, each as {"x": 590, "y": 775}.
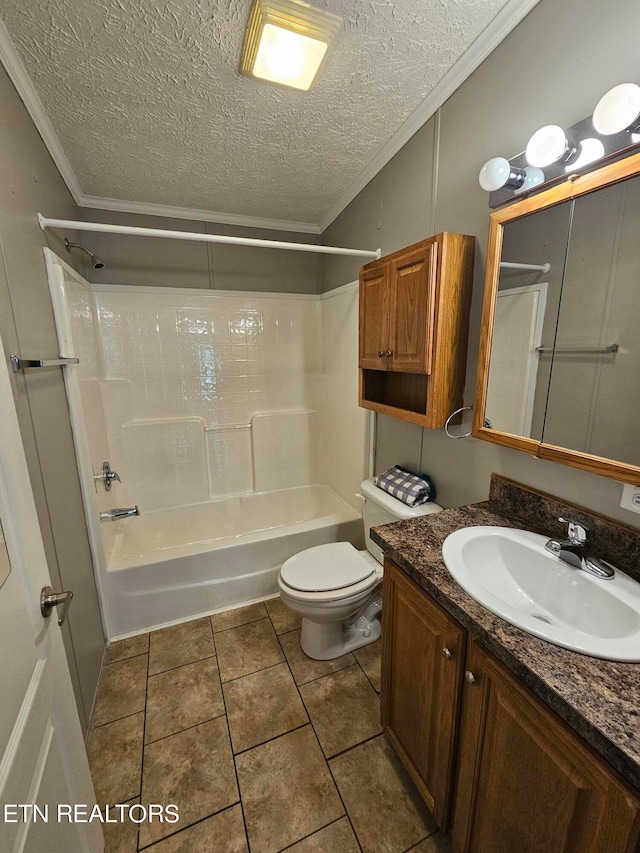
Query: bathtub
{"x": 169, "y": 565}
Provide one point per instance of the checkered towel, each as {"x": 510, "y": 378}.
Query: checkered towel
{"x": 411, "y": 489}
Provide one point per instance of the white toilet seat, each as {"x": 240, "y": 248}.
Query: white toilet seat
{"x": 331, "y": 572}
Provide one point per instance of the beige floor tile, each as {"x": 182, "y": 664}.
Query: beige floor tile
{"x": 192, "y": 769}
{"x": 287, "y": 791}
{"x": 338, "y": 837}
{"x": 262, "y": 706}
{"x": 370, "y": 659}
{"x": 344, "y": 709}
{"x": 239, "y": 616}
{"x": 115, "y": 758}
{"x": 383, "y": 804}
{"x": 180, "y": 644}
{"x": 247, "y": 649}
{"x": 122, "y": 690}
{"x": 182, "y": 697}
{"x": 282, "y": 617}
{"x": 122, "y": 649}
{"x": 222, "y": 833}
{"x": 437, "y": 843}
{"x": 121, "y": 837}
{"x": 305, "y": 669}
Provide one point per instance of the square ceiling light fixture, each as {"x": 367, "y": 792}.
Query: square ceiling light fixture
{"x": 286, "y": 41}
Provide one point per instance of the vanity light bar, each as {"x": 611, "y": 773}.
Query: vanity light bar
{"x": 613, "y": 131}
{"x": 102, "y": 227}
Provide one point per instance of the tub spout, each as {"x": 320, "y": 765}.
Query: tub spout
{"x": 119, "y": 512}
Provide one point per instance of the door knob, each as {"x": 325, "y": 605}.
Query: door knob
{"x": 380, "y": 353}
{"x": 50, "y": 599}
{"x": 388, "y": 353}
{"x": 470, "y": 678}
{"x": 447, "y": 653}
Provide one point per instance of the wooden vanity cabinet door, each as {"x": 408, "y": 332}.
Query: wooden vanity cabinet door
{"x": 374, "y": 317}
{"x": 421, "y": 686}
{"x": 526, "y": 782}
{"x": 412, "y": 287}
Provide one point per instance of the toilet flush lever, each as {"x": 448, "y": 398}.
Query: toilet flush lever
{"x": 362, "y": 497}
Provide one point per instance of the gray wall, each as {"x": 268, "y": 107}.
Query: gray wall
{"x": 29, "y": 182}
{"x": 177, "y": 263}
{"x": 551, "y": 69}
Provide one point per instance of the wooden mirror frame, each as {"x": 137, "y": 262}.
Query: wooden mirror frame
{"x": 574, "y": 187}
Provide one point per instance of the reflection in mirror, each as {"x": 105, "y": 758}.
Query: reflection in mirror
{"x": 5, "y": 565}
{"x": 594, "y": 395}
{"x": 525, "y": 319}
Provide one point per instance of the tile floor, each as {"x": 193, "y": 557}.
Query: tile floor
{"x": 261, "y": 748}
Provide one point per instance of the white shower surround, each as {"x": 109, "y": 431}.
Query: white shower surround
{"x": 210, "y": 394}
{"x": 166, "y": 390}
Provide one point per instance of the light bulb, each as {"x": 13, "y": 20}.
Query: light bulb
{"x": 533, "y": 178}
{"x": 548, "y": 145}
{"x": 618, "y": 110}
{"x": 498, "y": 172}
{"x": 590, "y": 151}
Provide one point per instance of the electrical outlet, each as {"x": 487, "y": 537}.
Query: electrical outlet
{"x": 631, "y": 498}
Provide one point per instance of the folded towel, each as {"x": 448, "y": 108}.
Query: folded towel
{"x": 411, "y": 489}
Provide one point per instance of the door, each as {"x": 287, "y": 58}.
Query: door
{"x": 422, "y": 661}
{"x": 526, "y": 783}
{"x": 513, "y": 377}
{"x": 412, "y": 284}
{"x": 43, "y": 761}
{"x": 374, "y": 317}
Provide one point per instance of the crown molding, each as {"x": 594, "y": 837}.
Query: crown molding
{"x": 507, "y": 18}
{"x": 21, "y": 80}
{"x": 139, "y": 207}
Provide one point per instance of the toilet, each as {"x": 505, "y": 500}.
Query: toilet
{"x": 336, "y": 588}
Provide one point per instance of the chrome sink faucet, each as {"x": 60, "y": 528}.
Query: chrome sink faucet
{"x": 573, "y": 551}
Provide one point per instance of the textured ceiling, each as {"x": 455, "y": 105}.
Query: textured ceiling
{"x": 148, "y": 105}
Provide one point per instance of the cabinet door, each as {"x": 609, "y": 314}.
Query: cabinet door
{"x": 423, "y": 656}
{"x": 412, "y": 286}
{"x": 374, "y": 317}
{"x": 526, "y": 782}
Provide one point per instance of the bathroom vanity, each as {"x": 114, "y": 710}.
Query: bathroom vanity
{"x": 515, "y": 744}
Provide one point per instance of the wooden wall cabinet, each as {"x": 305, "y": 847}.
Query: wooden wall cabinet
{"x": 523, "y": 781}
{"x": 414, "y": 323}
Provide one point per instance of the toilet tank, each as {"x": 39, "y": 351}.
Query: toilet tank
{"x": 379, "y": 507}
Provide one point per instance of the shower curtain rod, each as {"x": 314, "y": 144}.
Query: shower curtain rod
{"x": 202, "y": 238}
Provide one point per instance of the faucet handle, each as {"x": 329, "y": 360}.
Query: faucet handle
{"x": 577, "y": 532}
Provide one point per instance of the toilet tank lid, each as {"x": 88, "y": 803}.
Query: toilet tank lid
{"x": 393, "y": 505}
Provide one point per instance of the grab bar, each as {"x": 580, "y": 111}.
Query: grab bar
{"x": 18, "y": 363}
{"x": 506, "y": 265}
{"x": 580, "y": 350}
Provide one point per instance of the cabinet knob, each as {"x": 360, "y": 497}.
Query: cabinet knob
{"x": 447, "y": 654}
{"x": 388, "y": 353}
{"x": 470, "y": 678}
{"x": 380, "y": 353}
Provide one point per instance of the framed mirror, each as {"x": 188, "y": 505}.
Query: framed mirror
{"x": 559, "y": 363}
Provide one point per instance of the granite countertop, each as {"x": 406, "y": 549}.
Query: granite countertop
{"x": 598, "y": 699}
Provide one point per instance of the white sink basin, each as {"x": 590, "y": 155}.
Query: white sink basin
{"x": 511, "y": 574}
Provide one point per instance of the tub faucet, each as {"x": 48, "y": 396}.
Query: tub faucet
{"x": 119, "y": 512}
{"x": 573, "y": 551}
